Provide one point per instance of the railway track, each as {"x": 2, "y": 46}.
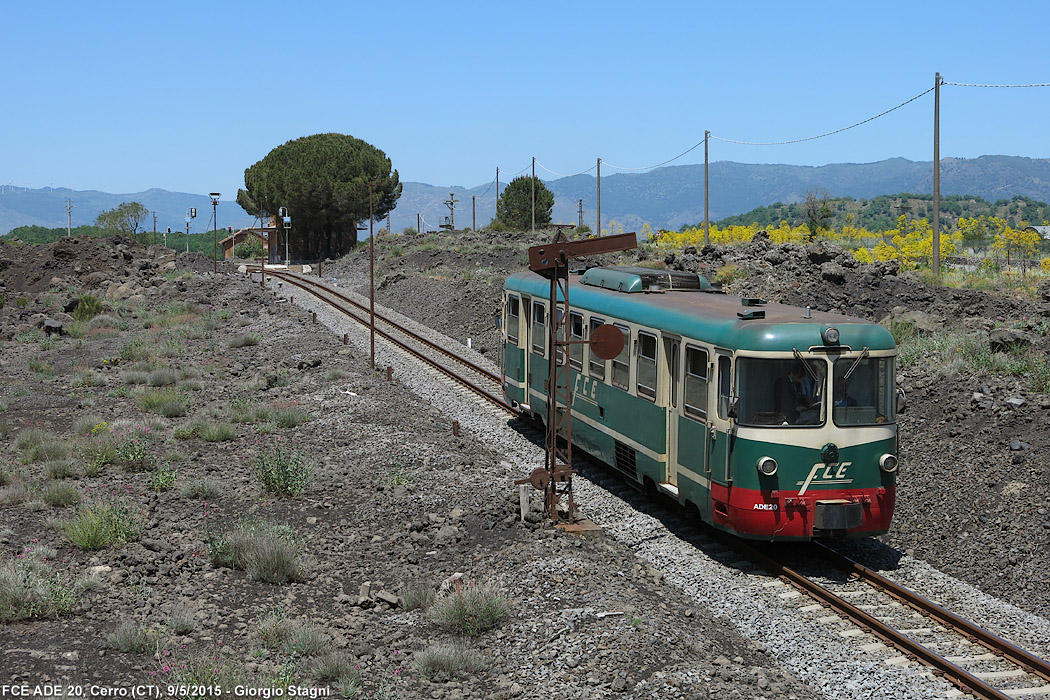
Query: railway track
{"x": 477, "y": 379}
{"x": 974, "y": 660}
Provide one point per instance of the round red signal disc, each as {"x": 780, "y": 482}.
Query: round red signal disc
{"x": 606, "y": 341}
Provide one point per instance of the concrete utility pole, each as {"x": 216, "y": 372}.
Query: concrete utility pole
{"x": 579, "y": 205}
{"x": 497, "y": 193}
{"x": 69, "y": 220}
{"x": 474, "y": 210}
{"x": 707, "y": 219}
{"x": 937, "y": 175}
{"x": 419, "y": 223}
{"x": 154, "y": 228}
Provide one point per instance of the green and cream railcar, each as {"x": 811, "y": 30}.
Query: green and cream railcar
{"x": 698, "y": 403}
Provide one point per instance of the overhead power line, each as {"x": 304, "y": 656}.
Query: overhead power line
{"x": 981, "y": 85}
{"x": 829, "y": 133}
{"x": 650, "y": 167}
{"x": 553, "y": 172}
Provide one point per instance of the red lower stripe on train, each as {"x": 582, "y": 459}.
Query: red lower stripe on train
{"x": 784, "y": 514}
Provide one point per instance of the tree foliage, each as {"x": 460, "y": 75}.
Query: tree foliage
{"x": 323, "y": 181}
{"x": 125, "y": 219}
{"x": 514, "y": 208}
{"x": 818, "y": 212}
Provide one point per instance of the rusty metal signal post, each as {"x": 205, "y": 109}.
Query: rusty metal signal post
{"x": 552, "y": 262}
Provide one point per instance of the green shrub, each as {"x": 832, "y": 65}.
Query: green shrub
{"x": 164, "y": 376}
{"x": 330, "y": 668}
{"x": 137, "y": 350}
{"x": 22, "y": 302}
{"x": 443, "y": 662}
{"x": 288, "y": 416}
{"x": 101, "y": 524}
{"x": 131, "y": 638}
{"x": 162, "y": 479}
{"x": 87, "y": 308}
{"x": 204, "y": 671}
{"x": 267, "y": 551}
{"x": 88, "y": 377}
{"x": 282, "y": 471}
{"x": 304, "y": 639}
{"x": 181, "y": 619}
{"x": 41, "y": 368}
{"x": 251, "y": 248}
{"x": 201, "y": 489}
{"x": 417, "y": 598}
{"x": 62, "y": 495}
{"x": 164, "y": 402}
{"x": 39, "y": 445}
{"x": 30, "y": 589}
{"x": 211, "y": 431}
{"x": 242, "y": 340}
{"x": 471, "y": 611}
{"x": 60, "y": 469}
{"x": 86, "y": 425}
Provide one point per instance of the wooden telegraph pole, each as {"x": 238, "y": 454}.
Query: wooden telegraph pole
{"x": 937, "y": 176}
{"x": 707, "y": 220}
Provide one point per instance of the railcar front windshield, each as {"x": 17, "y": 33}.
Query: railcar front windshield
{"x": 781, "y": 392}
{"x": 864, "y": 392}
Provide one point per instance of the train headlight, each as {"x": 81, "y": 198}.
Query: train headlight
{"x": 831, "y": 336}
{"x": 767, "y": 466}
{"x": 888, "y": 463}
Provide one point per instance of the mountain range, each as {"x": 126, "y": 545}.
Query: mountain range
{"x": 665, "y": 198}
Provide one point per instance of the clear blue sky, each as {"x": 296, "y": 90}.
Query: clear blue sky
{"x": 125, "y": 96}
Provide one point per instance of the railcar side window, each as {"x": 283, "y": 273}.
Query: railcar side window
{"x": 539, "y": 328}
{"x": 647, "y": 366}
{"x": 696, "y": 382}
{"x": 575, "y": 336}
{"x": 513, "y": 312}
{"x": 863, "y": 391}
{"x": 621, "y": 364}
{"x": 725, "y": 383}
{"x": 596, "y": 364}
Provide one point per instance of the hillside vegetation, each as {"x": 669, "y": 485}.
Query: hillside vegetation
{"x": 881, "y": 213}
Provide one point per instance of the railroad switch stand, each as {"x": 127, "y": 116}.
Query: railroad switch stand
{"x": 552, "y": 261}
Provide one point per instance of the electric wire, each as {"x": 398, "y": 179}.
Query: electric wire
{"x": 553, "y": 172}
{"x": 984, "y": 85}
{"x": 650, "y": 167}
{"x": 829, "y": 133}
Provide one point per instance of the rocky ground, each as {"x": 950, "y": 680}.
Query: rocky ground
{"x": 975, "y": 484}
{"x": 396, "y": 504}
{"x": 148, "y": 422}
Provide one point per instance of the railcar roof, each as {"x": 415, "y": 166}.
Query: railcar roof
{"x": 713, "y": 317}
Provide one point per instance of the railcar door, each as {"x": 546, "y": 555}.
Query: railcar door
{"x": 672, "y": 350}
{"x": 721, "y": 425}
{"x": 526, "y": 345}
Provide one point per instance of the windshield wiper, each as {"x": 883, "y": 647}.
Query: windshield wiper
{"x": 863, "y": 354}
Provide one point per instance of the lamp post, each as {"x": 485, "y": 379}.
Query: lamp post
{"x": 286, "y": 224}
{"x": 215, "y": 225}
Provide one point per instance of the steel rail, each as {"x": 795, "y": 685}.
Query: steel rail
{"x": 1029, "y": 662}
{"x": 960, "y": 678}
{"x": 484, "y": 393}
{"x": 401, "y": 329}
